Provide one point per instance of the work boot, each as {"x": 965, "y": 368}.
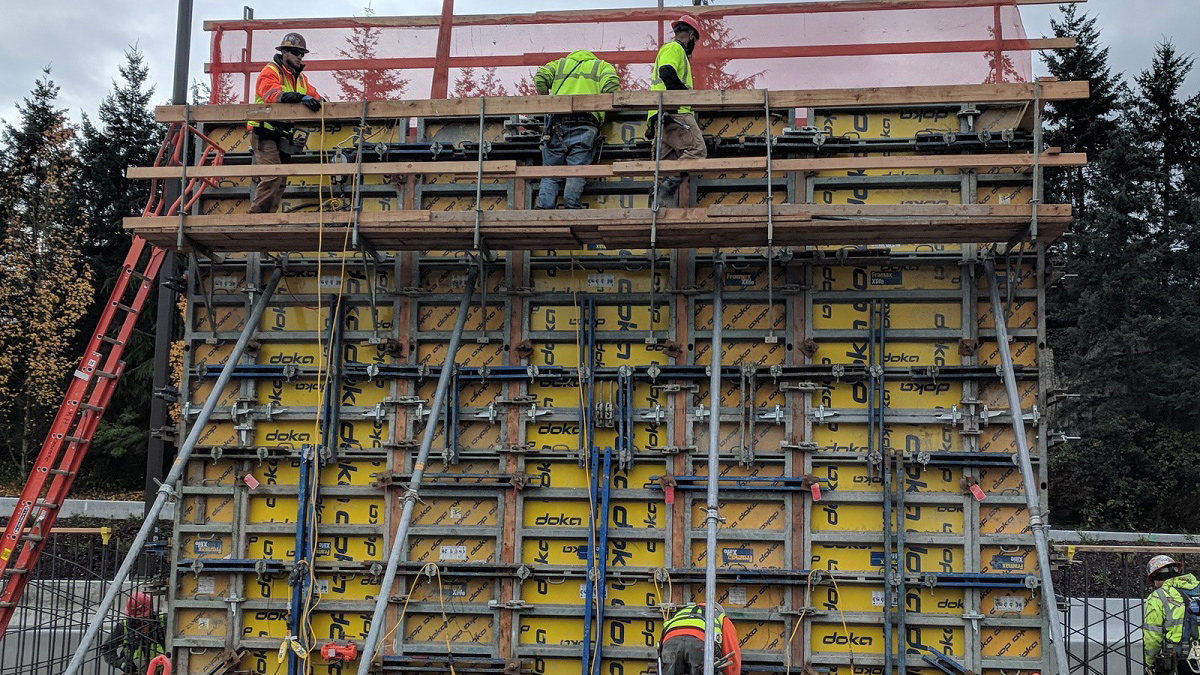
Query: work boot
{"x": 666, "y": 192}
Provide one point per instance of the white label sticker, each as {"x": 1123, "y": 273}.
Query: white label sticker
{"x": 225, "y": 282}
{"x": 583, "y": 590}
{"x": 737, "y": 595}
{"x": 203, "y": 622}
{"x": 322, "y": 586}
{"x": 455, "y": 513}
{"x": 329, "y": 281}
{"x": 877, "y": 598}
{"x": 601, "y": 280}
{"x": 206, "y": 585}
{"x": 1009, "y": 603}
{"x": 454, "y": 554}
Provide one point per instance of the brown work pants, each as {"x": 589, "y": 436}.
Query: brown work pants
{"x": 268, "y": 191}
{"x": 681, "y": 139}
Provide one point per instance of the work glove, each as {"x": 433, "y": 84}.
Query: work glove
{"x": 311, "y": 103}
{"x": 291, "y": 97}
{"x": 651, "y": 127}
{"x": 129, "y": 667}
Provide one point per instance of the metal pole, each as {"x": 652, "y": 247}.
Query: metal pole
{"x": 157, "y": 448}
{"x": 714, "y": 431}
{"x": 410, "y": 495}
{"x": 166, "y": 490}
{"x": 1032, "y": 502}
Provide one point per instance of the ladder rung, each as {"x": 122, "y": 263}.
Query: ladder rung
{"x": 110, "y": 340}
{"x": 46, "y": 505}
{"x": 60, "y": 472}
{"x": 126, "y": 308}
{"x": 89, "y": 406}
{"x": 105, "y": 374}
{"x": 14, "y": 571}
{"x": 35, "y": 538}
{"x": 6, "y": 605}
{"x": 77, "y": 439}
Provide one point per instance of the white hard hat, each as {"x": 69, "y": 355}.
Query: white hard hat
{"x": 1159, "y": 562}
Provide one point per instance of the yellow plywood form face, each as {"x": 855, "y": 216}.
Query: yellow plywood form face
{"x": 451, "y": 511}
{"x": 557, "y": 513}
{"x": 1023, "y": 352}
{"x": 927, "y": 518}
{"x": 833, "y": 638}
{"x": 738, "y": 279}
{"x": 917, "y": 480}
{"x": 567, "y": 666}
{"x": 1010, "y": 602}
{"x": 451, "y": 549}
{"x": 940, "y": 277}
{"x": 556, "y": 630}
{"x": 470, "y": 355}
{"x": 207, "y": 509}
{"x": 204, "y": 586}
{"x": 574, "y": 551}
{"x": 875, "y": 124}
{"x": 202, "y": 623}
{"x": 859, "y": 598}
{"x": 900, "y": 316}
{"x": 577, "y": 279}
{"x": 606, "y": 355}
{"x": 766, "y": 438}
{"x": 1003, "y": 519}
{"x": 454, "y": 280}
{"x": 608, "y": 318}
{"x": 1024, "y": 643}
{"x": 869, "y": 557}
{"x": 329, "y": 547}
{"x": 734, "y": 551}
{"x": 574, "y": 591}
{"x": 766, "y": 515}
{"x": 840, "y": 437}
{"x": 734, "y": 353}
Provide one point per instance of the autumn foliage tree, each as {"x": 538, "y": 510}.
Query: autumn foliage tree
{"x": 366, "y": 83}
{"x": 46, "y": 279}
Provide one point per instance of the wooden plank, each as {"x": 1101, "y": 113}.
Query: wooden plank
{"x": 504, "y": 167}
{"x": 637, "y": 100}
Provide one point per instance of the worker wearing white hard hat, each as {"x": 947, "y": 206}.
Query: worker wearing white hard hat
{"x": 1171, "y": 623}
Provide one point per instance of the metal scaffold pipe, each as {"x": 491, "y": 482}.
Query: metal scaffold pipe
{"x": 1032, "y": 502}
{"x": 714, "y": 428}
{"x": 418, "y": 474}
{"x": 166, "y": 489}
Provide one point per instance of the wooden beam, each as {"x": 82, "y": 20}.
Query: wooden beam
{"x": 509, "y": 168}
{"x": 721, "y": 226}
{"x": 639, "y": 100}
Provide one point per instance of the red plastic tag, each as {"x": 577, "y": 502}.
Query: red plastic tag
{"x": 669, "y": 494}
{"x": 816, "y": 492}
{"x": 977, "y": 492}
{"x": 250, "y": 481}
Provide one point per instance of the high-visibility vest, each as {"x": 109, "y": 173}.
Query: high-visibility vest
{"x": 671, "y": 54}
{"x": 297, "y": 84}
{"x": 578, "y": 73}
{"x": 140, "y": 646}
{"x": 692, "y": 616}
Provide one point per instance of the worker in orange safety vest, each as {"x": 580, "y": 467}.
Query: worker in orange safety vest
{"x": 681, "y": 650}
{"x": 280, "y": 81}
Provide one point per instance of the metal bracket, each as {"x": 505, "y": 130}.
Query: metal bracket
{"x": 776, "y": 415}
{"x": 821, "y": 413}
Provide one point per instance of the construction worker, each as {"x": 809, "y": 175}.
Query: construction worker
{"x": 138, "y": 638}
{"x": 280, "y": 81}
{"x": 571, "y": 139}
{"x": 681, "y": 649}
{"x": 1165, "y": 616}
{"x": 681, "y": 137}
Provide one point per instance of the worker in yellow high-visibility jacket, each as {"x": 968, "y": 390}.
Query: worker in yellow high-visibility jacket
{"x": 681, "y": 137}
{"x": 572, "y": 139}
{"x": 1165, "y": 617}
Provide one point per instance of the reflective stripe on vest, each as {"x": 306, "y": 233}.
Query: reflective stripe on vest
{"x": 692, "y": 616}
{"x": 683, "y": 69}
{"x": 579, "y": 80}
{"x": 299, "y": 85}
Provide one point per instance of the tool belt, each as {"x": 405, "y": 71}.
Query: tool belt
{"x": 575, "y": 119}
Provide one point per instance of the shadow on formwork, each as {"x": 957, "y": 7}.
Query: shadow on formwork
{"x": 1100, "y": 579}
{"x": 74, "y": 570}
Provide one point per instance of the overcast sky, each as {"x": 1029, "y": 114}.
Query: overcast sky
{"x": 83, "y": 41}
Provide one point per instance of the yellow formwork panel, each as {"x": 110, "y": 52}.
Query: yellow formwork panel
{"x": 749, "y": 596}
{"x": 222, "y": 472}
{"x": 568, "y": 630}
{"x": 206, "y": 546}
{"x": 454, "y": 280}
{"x": 330, "y": 510}
{"x": 765, "y": 440}
{"x": 451, "y": 549}
{"x": 1010, "y": 602}
{"x": 895, "y": 353}
{"x": 206, "y": 660}
{"x": 316, "y": 319}
{"x": 1021, "y": 277}
{"x": 443, "y": 317}
{"x": 292, "y": 434}
{"x": 446, "y": 630}
{"x": 607, "y": 355}
{"x": 203, "y": 354}
{"x": 729, "y": 125}
{"x": 335, "y": 586}
{"x": 571, "y": 551}
{"x": 904, "y": 394}
{"x": 206, "y": 509}
{"x": 202, "y": 389}
{"x": 734, "y": 353}
{"x": 921, "y": 518}
{"x": 861, "y": 598}
{"x": 574, "y": 278}
{"x": 568, "y": 396}
{"x": 220, "y": 319}
{"x": 1008, "y": 559}
{"x": 917, "y": 480}
{"x": 623, "y": 513}
{"x": 1023, "y": 351}
{"x": 1000, "y": 438}
{"x": 765, "y": 515}
{"x": 869, "y": 557}
{"x": 738, "y": 279}
{"x": 340, "y": 273}
{"x": 1002, "y": 519}
{"x": 470, "y": 355}
{"x": 573, "y": 592}
{"x": 947, "y": 277}
{"x": 639, "y": 199}
{"x": 740, "y": 196}
{"x": 609, "y": 318}
{"x": 330, "y": 625}
{"x": 202, "y": 623}
{"x": 450, "y": 590}
{"x": 765, "y": 395}
{"x": 462, "y": 201}
{"x": 734, "y": 552}
{"x": 833, "y": 638}
{"x": 470, "y": 394}
{"x": 452, "y": 511}
{"x": 204, "y": 586}
{"x": 1000, "y": 480}
{"x": 559, "y": 473}
{"x": 1004, "y": 194}
{"x": 841, "y": 437}
{"x": 877, "y": 124}
{"x": 740, "y": 315}
{"x": 265, "y": 623}
{"x": 995, "y": 396}
{"x": 1020, "y": 313}
{"x": 329, "y": 548}
{"x": 1023, "y": 643}
{"x": 901, "y": 316}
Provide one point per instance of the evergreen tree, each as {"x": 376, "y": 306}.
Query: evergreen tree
{"x": 127, "y": 135}
{"x": 45, "y": 287}
{"x": 367, "y": 83}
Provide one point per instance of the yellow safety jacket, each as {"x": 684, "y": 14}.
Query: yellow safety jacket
{"x": 690, "y": 621}
{"x": 274, "y": 81}
{"x": 1163, "y": 616}
{"x": 577, "y": 73}
{"x": 671, "y": 54}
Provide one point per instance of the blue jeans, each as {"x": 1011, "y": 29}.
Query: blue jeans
{"x": 573, "y": 145}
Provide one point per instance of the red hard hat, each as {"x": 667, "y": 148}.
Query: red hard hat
{"x": 139, "y": 605}
{"x": 689, "y": 21}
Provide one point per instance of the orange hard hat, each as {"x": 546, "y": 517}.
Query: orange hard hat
{"x": 139, "y": 605}
{"x": 687, "y": 20}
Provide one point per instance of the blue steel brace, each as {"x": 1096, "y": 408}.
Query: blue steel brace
{"x": 587, "y": 319}
{"x": 602, "y": 559}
